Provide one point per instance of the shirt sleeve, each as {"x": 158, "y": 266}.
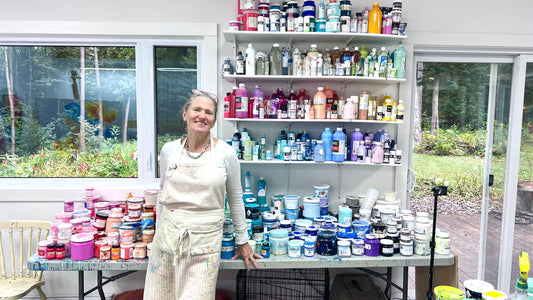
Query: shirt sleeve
{"x": 164, "y": 158}
{"x": 234, "y": 193}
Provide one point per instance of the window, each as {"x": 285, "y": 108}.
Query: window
{"x": 143, "y": 83}
{"x": 68, "y": 111}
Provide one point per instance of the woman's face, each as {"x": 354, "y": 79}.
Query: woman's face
{"x": 200, "y": 116}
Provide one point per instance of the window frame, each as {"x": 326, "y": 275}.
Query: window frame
{"x": 142, "y": 36}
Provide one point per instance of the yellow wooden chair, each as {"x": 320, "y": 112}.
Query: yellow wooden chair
{"x": 19, "y": 284}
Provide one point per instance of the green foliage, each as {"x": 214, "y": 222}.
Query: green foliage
{"x": 453, "y": 142}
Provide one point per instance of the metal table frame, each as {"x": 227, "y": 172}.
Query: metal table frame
{"x": 363, "y": 263}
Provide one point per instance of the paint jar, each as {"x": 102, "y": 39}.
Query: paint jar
{"x": 311, "y": 208}
{"x": 311, "y": 230}
{"x": 64, "y": 217}
{"x": 475, "y": 288}
{"x": 379, "y": 229}
{"x": 324, "y": 210}
{"x": 443, "y": 292}
{"x": 105, "y": 252}
{"x": 82, "y": 246}
{"x": 265, "y": 249}
{"x": 101, "y": 206}
{"x": 321, "y": 192}
{"x": 81, "y": 214}
{"x": 64, "y": 231}
{"x": 279, "y": 240}
{"x": 398, "y": 220}
{"x": 228, "y": 226}
{"x": 358, "y": 247}
{"x": 392, "y": 226}
{"x": 443, "y": 243}
{"x": 228, "y": 247}
{"x": 41, "y": 249}
{"x": 126, "y": 251}
{"x": 345, "y": 215}
{"x": 319, "y": 221}
{"x": 76, "y": 224}
{"x": 134, "y": 211}
{"x": 421, "y": 247}
{"x": 150, "y": 196}
{"x": 147, "y": 216}
{"x": 326, "y": 243}
{"x": 97, "y": 245}
{"x": 371, "y": 245}
{"x": 291, "y": 202}
{"x": 100, "y": 220}
{"x": 114, "y": 221}
{"x": 148, "y": 235}
{"x": 296, "y": 235}
{"x": 90, "y": 230}
{"x": 292, "y": 214}
{"x": 51, "y": 252}
{"x": 301, "y": 224}
{"x": 395, "y": 237}
{"x": 135, "y": 200}
{"x": 85, "y": 222}
{"x": 139, "y": 250}
{"x": 126, "y": 235}
{"x": 344, "y": 228}
{"x": 270, "y": 221}
{"x": 386, "y": 214}
{"x": 422, "y": 228}
{"x": 295, "y": 248}
{"x": 309, "y": 247}
{"x": 408, "y": 222}
{"x": 365, "y": 213}
{"x": 233, "y": 25}
{"x": 286, "y": 224}
{"x": 386, "y": 247}
{"x": 406, "y": 247}
{"x": 60, "y": 251}
{"x": 68, "y": 206}
{"x": 344, "y": 248}
{"x": 494, "y": 295}
{"x": 115, "y": 252}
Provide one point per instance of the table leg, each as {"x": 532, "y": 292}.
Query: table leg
{"x": 388, "y": 289}
{"x": 99, "y": 285}
{"x": 81, "y": 288}
{"x": 405, "y": 283}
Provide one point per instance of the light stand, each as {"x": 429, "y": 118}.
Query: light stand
{"x": 437, "y": 191}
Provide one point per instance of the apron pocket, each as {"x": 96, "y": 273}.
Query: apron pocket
{"x": 207, "y": 237}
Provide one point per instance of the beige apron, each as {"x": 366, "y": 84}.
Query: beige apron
{"x": 186, "y": 248}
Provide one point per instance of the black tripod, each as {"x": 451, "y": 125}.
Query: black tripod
{"x": 437, "y": 191}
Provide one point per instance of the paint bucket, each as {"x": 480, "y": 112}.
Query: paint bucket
{"x": 292, "y": 214}
{"x": 311, "y": 208}
{"x": 324, "y": 209}
{"x": 301, "y": 224}
{"x": 365, "y": 213}
{"x": 389, "y": 196}
{"x": 475, "y": 288}
{"x": 361, "y": 227}
{"x": 291, "y": 202}
{"x": 443, "y": 292}
{"x": 352, "y": 201}
{"x": 494, "y": 295}
{"x": 321, "y": 192}
{"x": 386, "y": 214}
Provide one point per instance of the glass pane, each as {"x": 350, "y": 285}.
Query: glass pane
{"x": 524, "y": 199}
{"x": 450, "y": 138}
{"x": 175, "y": 77}
{"x": 67, "y": 111}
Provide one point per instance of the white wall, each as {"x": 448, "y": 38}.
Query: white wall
{"x": 451, "y": 24}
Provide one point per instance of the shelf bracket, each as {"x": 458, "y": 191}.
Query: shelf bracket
{"x": 349, "y": 41}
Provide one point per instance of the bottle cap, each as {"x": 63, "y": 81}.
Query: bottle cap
{"x": 313, "y": 45}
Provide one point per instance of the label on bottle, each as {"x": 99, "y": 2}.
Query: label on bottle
{"x": 338, "y": 147}
{"x": 241, "y": 104}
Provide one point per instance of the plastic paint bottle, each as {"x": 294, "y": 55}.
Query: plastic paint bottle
{"x": 357, "y": 140}
{"x": 319, "y": 103}
{"x": 399, "y": 61}
{"x": 241, "y": 102}
{"x": 276, "y": 60}
{"x": 261, "y": 191}
{"x": 250, "y": 60}
{"x": 377, "y": 154}
{"x": 239, "y": 64}
{"x": 375, "y": 19}
{"x": 319, "y": 152}
{"x": 226, "y": 105}
{"x": 257, "y": 98}
{"x": 327, "y": 139}
{"x": 247, "y": 182}
{"x": 363, "y": 105}
{"x": 338, "y": 145}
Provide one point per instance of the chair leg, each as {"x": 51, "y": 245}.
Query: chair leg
{"x": 41, "y": 294}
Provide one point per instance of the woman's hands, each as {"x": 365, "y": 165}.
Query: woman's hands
{"x": 247, "y": 254}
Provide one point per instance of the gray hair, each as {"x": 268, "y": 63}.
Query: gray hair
{"x": 198, "y": 93}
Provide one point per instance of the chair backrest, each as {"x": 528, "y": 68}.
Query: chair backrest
{"x": 30, "y": 232}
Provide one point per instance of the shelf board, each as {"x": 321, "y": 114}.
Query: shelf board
{"x": 312, "y": 37}
{"x": 345, "y": 79}
{"x": 331, "y": 163}
{"x": 235, "y": 120}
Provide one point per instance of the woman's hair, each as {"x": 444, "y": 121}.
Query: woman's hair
{"x": 198, "y": 93}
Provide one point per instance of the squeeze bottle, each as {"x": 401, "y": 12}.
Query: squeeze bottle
{"x": 241, "y": 102}
{"x": 374, "y": 19}
{"x": 356, "y": 139}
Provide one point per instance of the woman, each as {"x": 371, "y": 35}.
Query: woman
{"x": 196, "y": 174}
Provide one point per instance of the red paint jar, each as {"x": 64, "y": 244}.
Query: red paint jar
{"x": 42, "y": 249}
{"x": 105, "y": 252}
{"x": 60, "y": 251}
{"x": 126, "y": 251}
{"x": 100, "y": 221}
{"x": 249, "y": 19}
{"x": 97, "y": 245}
{"x": 51, "y": 252}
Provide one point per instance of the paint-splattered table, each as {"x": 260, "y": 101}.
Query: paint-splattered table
{"x": 274, "y": 262}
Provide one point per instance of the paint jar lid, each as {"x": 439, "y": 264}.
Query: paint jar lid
{"x": 279, "y": 233}
{"x": 344, "y": 243}
{"x": 140, "y": 245}
{"x": 82, "y": 237}
{"x": 64, "y": 226}
{"x": 311, "y": 200}
{"x": 387, "y": 242}
{"x": 45, "y": 242}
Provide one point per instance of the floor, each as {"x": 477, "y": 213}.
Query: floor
{"x": 464, "y": 235}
